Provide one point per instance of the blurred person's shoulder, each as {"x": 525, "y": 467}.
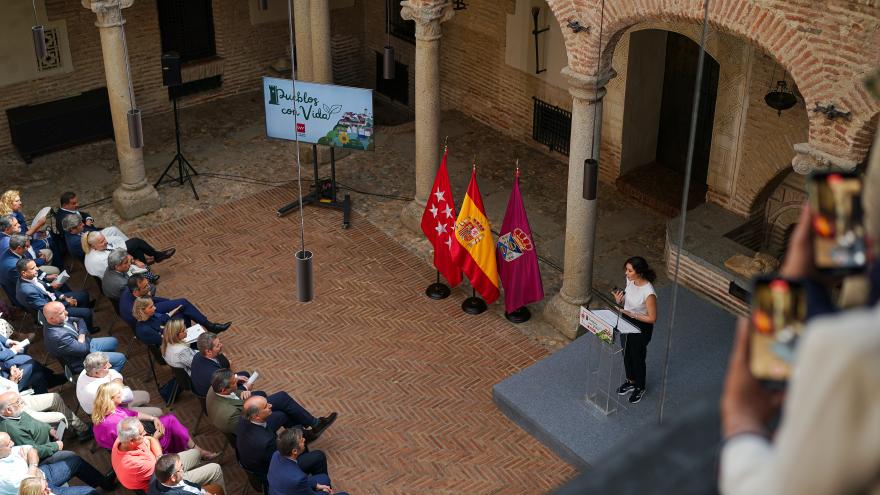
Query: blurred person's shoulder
{"x": 848, "y": 333}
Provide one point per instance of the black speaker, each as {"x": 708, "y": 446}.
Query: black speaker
{"x": 171, "y": 69}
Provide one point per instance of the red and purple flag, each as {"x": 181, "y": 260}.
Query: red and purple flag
{"x": 517, "y": 258}
{"x": 438, "y": 222}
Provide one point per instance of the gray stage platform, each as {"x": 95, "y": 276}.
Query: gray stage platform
{"x": 548, "y": 398}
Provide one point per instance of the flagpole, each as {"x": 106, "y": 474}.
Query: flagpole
{"x": 521, "y": 314}
{"x": 438, "y": 290}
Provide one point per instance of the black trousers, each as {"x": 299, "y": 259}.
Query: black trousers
{"x": 635, "y": 352}
{"x": 139, "y": 249}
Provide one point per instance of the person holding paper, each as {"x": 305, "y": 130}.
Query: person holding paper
{"x": 34, "y": 294}
{"x": 176, "y": 351}
{"x": 98, "y": 372}
{"x": 10, "y": 204}
{"x": 109, "y": 412}
{"x": 225, "y": 402}
{"x": 19, "y": 248}
{"x": 48, "y": 408}
{"x": 639, "y": 308}
{"x": 140, "y": 286}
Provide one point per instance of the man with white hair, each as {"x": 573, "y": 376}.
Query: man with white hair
{"x": 135, "y": 453}
{"x": 98, "y": 247}
{"x": 49, "y": 408}
{"x": 18, "y": 462}
{"x": 96, "y": 372}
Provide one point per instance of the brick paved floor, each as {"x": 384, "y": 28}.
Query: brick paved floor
{"x": 410, "y": 377}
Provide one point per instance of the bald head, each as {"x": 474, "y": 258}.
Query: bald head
{"x": 5, "y": 445}
{"x": 54, "y": 312}
{"x": 256, "y": 409}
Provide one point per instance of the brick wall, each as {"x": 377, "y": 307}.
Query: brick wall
{"x": 246, "y": 51}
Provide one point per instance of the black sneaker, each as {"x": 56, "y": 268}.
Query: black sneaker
{"x": 625, "y": 388}
{"x": 636, "y": 395}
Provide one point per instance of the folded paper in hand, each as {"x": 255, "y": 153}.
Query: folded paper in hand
{"x": 250, "y": 381}
{"x": 193, "y": 332}
{"x": 62, "y": 278}
{"x": 41, "y": 215}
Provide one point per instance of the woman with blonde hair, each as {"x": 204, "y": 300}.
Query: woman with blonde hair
{"x": 109, "y": 412}
{"x": 35, "y": 485}
{"x": 175, "y": 350}
{"x": 10, "y": 204}
{"x": 150, "y": 323}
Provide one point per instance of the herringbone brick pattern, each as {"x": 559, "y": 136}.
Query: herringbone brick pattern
{"x": 410, "y": 377}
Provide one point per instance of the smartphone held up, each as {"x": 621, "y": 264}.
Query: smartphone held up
{"x": 778, "y": 315}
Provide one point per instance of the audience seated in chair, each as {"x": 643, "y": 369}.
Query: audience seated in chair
{"x": 256, "y": 436}
{"x": 34, "y": 294}
{"x": 169, "y": 479}
{"x": 18, "y": 462}
{"x": 19, "y": 248}
{"x": 48, "y": 408}
{"x": 176, "y": 352}
{"x": 225, "y": 402}
{"x": 134, "y": 457}
{"x": 210, "y": 359}
{"x": 109, "y": 411}
{"x": 68, "y": 339}
{"x": 21, "y": 368}
{"x": 139, "y": 286}
{"x": 10, "y": 204}
{"x": 286, "y": 476}
{"x": 96, "y": 372}
{"x": 97, "y": 248}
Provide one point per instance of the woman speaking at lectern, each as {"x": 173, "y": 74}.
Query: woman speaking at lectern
{"x": 639, "y": 308}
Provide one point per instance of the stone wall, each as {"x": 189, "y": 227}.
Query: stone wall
{"x": 245, "y": 51}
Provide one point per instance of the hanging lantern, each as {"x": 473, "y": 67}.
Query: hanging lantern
{"x": 263, "y": 4}
{"x": 781, "y": 98}
{"x": 305, "y": 285}
{"x": 135, "y": 128}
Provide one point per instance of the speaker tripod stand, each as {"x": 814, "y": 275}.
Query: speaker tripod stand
{"x": 185, "y": 170}
{"x": 317, "y": 197}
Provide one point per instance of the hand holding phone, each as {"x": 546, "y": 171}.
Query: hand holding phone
{"x": 175, "y": 310}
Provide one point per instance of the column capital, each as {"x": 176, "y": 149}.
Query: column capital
{"x": 428, "y": 16}
{"x": 808, "y": 159}
{"x": 109, "y": 12}
{"x": 587, "y": 87}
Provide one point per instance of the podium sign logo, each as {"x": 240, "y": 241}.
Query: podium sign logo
{"x": 325, "y": 114}
{"x": 597, "y": 326}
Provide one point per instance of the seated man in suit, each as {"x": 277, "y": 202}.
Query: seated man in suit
{"x": 210, "y": 359}
{"x": 25, "y": 430}
{"x": 68, "y": 339}
{"x": 256, "y": 434}
{"x": 33, "y": 294}
{"x": 139, "y": 286}
{"x": 74, "y": 223}
{"x": 224, "y": 403}
{"x": 48, "y": 408}
{"x": 134, "y": 455}
{"x": 168, "y": 479}
{"x": 286, "y": 476}
{"x": 116, "y": 274}
{"x": 19, "y": 367}
{"x": 18, "y": 249}
{"x": 8, "y": 226}
{"x": 18, "y": 462}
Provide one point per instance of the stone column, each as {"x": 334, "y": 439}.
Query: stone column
{"x": 135, "y": 196}
{"x": 428, "y": 19}
{"x": 302, "y": 23}
{"x": 322, "y": 61}
{"x": 580, "y": 216}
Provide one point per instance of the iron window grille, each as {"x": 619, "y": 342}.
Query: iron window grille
{"x": 551, "y": 126}
{"x": 400, "y": 27}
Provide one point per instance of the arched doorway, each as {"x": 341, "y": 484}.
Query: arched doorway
{"x": 661, "y": 73}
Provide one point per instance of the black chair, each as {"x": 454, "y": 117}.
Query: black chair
{"x": 182, "y": 383}
{"x": 155, "y": 353}
{"x": 257, "y": 481}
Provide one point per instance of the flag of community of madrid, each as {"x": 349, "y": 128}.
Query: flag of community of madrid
{"x": 473, "y": 248}
{"x": 438, "y": 220}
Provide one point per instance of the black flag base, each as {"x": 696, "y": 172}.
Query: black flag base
{"x": 437, "y": 291}
{"x": 520, "y": 315}
{"x": 473, "y": 305}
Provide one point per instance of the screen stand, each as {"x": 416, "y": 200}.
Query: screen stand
{"x": 316, "y": 197}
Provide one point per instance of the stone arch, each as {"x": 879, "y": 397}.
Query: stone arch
{"x": 775, "y": 210}
{"x": 787, "y": 41}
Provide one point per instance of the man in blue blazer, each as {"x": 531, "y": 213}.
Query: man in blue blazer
{"x": 256, "y": 438}
{"x": 17, "y": 366}
{"x": 210, "y": 359}
{"x": 67, "y": 338}
{"x": 169, "y": 478}
{"x": 34, "y": 294}
{"x": 286, "y": 476}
